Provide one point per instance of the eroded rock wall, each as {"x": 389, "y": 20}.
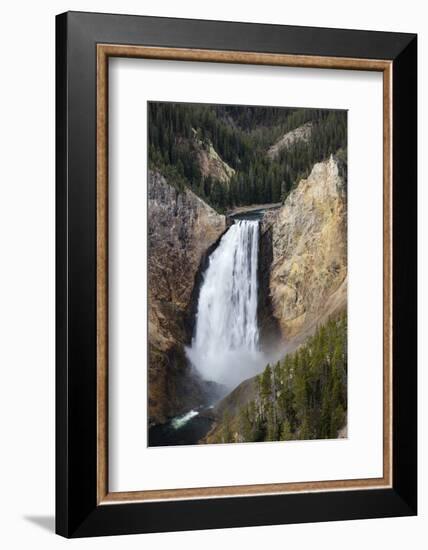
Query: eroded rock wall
{"x": 181, "y": 228}
{"x": 301, "y": 134}
{"x": 308, "y": 274}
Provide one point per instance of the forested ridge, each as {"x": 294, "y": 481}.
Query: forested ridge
{"x": 304, "y": 396}
{"x": 241, "y": 136}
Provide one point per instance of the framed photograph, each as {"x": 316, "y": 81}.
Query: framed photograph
{"x": 236, "y": 274}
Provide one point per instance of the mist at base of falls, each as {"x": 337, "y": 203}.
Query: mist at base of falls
{"x": 225, "y": 347}
{"x": 228, "y": 368}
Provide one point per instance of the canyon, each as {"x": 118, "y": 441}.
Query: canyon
{"x": 301, "y": 276}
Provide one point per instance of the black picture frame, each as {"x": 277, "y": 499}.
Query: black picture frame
{"x": 77, "y": 511}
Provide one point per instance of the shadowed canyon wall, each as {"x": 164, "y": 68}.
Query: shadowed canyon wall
{"x": 181, "y": 228}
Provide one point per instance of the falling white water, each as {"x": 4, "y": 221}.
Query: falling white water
{"x": 225, "y": 347}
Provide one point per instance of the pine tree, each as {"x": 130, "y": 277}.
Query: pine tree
{"x": 227, "y": 436}
{"x": 245, "y": 427}
{"x": 286, "y": 434}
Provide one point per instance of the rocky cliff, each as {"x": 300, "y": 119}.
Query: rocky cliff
{"x": 300, "y": 134}
{"x": 181, "y": 229}
{"x": 308, "y": 272}
{"x": 212, "y": 165}
{"x": 209, "y": 162}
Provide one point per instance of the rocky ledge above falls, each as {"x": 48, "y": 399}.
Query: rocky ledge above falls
{"x": 308, "y": 273}
{"x": 181, "y": 228}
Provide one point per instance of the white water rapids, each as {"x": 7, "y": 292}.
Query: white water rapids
{"x": 179, "y": 421}
{"x": 225, "y": 346}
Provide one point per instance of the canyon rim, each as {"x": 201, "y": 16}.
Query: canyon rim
{"x": 247, "y": 274}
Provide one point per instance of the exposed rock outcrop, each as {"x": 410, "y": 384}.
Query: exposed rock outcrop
{"x": 302, "y": 133}
{"x": 181, "y": 228}
{"x": 308, "y": 276}
{"x": 212, "y": 165}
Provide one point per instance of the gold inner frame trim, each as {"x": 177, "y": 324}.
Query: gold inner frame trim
{"x": 104, "y": 51}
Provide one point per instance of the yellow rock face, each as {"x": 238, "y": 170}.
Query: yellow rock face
{"x": 308, "y": 280}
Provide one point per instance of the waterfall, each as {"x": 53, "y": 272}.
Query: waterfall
{"x": 225, "y": 346}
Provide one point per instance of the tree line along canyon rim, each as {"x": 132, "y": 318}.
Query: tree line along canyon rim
{"x": 247, "y": 274}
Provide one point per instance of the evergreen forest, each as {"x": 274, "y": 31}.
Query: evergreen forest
{"x": 304, "y": 396}
{"x": 241, "y": 136}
